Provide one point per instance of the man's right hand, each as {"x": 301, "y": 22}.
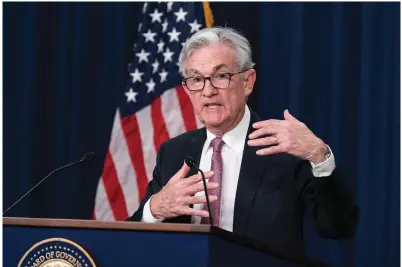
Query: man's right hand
{"x": 175, "y": 197}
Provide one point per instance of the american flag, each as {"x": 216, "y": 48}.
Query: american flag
{"x": 154, "y": 107}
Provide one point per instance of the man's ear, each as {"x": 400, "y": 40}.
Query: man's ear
{"x": 249, "y": 81}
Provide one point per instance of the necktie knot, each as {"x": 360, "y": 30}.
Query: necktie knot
{"x": 217, "y": 144}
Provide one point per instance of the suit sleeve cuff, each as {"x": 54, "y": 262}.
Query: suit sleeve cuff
{"x": 324, "y": 168}
{"x": 147, "y": 216}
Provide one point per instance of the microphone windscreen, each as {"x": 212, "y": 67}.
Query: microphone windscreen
{"x": 190, "y": 162}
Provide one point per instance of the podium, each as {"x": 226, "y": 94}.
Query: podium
{"x": 113, "y": 244}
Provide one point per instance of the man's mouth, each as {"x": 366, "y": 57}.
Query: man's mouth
{"x": 212, "y": 105}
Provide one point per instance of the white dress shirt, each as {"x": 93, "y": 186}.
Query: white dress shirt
{"x": 232, "y": 154}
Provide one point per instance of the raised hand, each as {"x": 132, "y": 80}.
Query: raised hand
{"x": 288, "y": 136}
{"x": 175, "y": 197}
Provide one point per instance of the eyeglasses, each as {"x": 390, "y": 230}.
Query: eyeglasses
{"x": 218, "y": 80}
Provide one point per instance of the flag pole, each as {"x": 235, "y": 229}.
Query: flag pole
{"x": 209, "y": 17}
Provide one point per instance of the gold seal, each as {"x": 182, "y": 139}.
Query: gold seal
{"x": 56, "y": 252}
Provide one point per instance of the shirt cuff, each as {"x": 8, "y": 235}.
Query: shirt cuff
{"x": 324, "y": 168}
{"x": 147, "y": 216}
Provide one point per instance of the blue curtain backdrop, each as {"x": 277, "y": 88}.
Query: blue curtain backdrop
{"x": 335, "y": 66}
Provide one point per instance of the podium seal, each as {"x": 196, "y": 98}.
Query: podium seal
{"x": 56, "y": 252}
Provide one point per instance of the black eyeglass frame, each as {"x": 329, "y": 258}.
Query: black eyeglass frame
{"x": 231, "y": 74}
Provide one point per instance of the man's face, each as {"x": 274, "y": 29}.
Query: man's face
{"x": 219, "y": 109}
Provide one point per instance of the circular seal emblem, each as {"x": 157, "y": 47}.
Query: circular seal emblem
{"x": 56, "y": 252}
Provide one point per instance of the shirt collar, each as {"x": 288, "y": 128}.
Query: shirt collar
{"x": 235, "y": 137}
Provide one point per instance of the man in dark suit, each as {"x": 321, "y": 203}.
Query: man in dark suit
{"x": 262, "y": 175}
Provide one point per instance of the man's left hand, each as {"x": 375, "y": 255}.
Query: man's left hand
{"x": 288, "y": 136}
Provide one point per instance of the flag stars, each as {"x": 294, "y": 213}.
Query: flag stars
{"x": 167, "y": 55}
{"x": 151, "y": 86}
{"x": 180, "y": 15}
{"x": 137, "y": 76}
{"x": 195, "y": 27}
{"x": 142, "y": 56}
{"x": 163, "y": 75}
{"x": 144, "y": 8}
{"x": 161, "y": 44}
{"x": 155, "y": 66}
{"x": 169, "y": 6}
{"x": 164, "y": 26}
{"x": 131, "y": 96}
{"x": 156, "y": 16}
{"x": 183, "y": 43}
{"x": 149, "y": 36}
{"x": 174, "y": 35}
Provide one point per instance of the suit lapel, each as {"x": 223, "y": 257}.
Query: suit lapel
{"x": 195, "y": 146}
{"x": 251, "y": 171}
{"x": 194, "y": 150}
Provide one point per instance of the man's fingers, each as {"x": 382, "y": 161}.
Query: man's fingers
{"x": 269, "y": 123}
{"x": 196, "y": 178}
{"x": 199, "y": 199}
{"x": 182, "y": 172}
{"x": 274, "y": 130}
{"x": 193, "y": 189}
{"x": 192, "y": 179}
{"x": 270, "y": 150}
{"x": 289, "y": 117}
{"x": 265, "y": 141}
{"x": 194, "y": 212}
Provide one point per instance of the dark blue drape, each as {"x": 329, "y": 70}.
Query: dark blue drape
{"x": 64, "y": 65}
{"x": 335, "y": 66}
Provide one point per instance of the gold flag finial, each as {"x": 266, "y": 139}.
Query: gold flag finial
{"x": 209, "y": 17}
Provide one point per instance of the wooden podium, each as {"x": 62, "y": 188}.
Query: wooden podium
{"x": 113, "y": 244}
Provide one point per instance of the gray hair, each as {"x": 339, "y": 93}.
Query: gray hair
{"x": 226, "y": 36}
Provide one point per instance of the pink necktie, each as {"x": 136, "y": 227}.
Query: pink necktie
{"x": 217, "y": 168}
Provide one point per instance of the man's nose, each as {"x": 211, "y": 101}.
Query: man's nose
{"x": 209, "y": 89}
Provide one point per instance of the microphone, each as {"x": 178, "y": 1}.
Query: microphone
{"x": 82, "y": 159}
{"x": 191, "y": 163}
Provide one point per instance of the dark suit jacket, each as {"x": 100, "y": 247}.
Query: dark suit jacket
{"x": 272, "y": 196}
